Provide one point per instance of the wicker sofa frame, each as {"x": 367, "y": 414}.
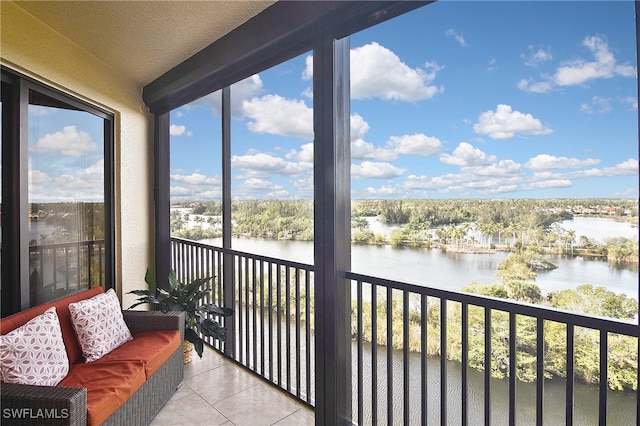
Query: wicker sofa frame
{"x": 67, "y": 406}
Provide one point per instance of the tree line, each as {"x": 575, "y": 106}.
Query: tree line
{"x": 516, "y": 276}
{"x": 457, "y": 225}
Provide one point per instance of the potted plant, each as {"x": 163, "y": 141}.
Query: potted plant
{"x": 186, "y": 297}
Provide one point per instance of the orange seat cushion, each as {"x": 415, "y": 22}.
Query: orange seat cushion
{"x": 74, "y": 352}
{"x": 152, "y": 348}
{"x": 109, "y": 385}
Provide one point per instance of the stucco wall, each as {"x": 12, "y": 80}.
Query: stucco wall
{"x": 34, "y": 49}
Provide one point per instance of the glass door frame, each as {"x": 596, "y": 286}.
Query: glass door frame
{"x": 15, "y": 185}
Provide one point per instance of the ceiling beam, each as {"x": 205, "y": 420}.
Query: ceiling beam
{"x": 282, "y": 31}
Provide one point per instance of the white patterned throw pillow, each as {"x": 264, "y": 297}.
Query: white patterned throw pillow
{"x": 34, "y": 354}
{"x": 99, "y": 325}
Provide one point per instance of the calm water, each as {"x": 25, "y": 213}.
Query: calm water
{"x": 620, "y": 405}
{"x": 453, "y": 271}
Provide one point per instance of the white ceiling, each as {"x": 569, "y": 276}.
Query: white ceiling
{"x": 143, "y": 39}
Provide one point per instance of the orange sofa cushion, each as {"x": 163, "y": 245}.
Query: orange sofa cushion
{"x": 109, "y": 385}
{"x": 152, "y": 348}
{"x": 74, "y": 352}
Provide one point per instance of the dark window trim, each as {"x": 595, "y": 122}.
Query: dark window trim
{"x": 15, "y": 265}
{"x": 258, "y": 44}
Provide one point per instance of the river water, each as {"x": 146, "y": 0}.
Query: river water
{"x": 620, "y": 405}
{"x": 453, "y": 271}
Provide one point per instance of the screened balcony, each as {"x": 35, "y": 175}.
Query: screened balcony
{"x": 323, "y": 336}
{"x": 273, "y": 334}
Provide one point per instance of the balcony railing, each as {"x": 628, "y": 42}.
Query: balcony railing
{"x": 63, "y": 268}
{"x": 419, "y": 355}
{"x": 272, "y": 311}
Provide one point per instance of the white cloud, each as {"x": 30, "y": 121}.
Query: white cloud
{"x": 254, "y": 187}
{"x": 418, "y": 144}
{"x": 598, "y": 105}
{"x": 95, "y": 172}
{"x": 536, "y": 56}
{"x": 535, "y": 86}
{"x": 361, "y": 149}
{"x": 304, "y": 186}
{"x": 39, "y": 110}
{"x": 196, "y": 178}
{"x": 580, "y": 71}
{"x": 551, "y": 183}
{"x": 503, "y": 177}
{"x": 375, "y": 170}
{"x": 359, "y": 127}
{"x": 550, "y": 162}
{"x": 628, "y": 168}
{"x": 378, "y": 72}
{"x": 261, "y": 164}
{"x": 38, "y": 177}
{"x": 179, "y": 191}
{"x": 70, "y": 142}
{"x": 458, "y": 37}
{"x": 501, "y": 168}
{"x": 240, "y": 91}
{"x": 504, "y": 123}
{"x": 80, "y": 184}
{"x": 261, "y": 185}
{"x": 632, "y": 102}
{"x": 195, "y": 193}
{"x": 492, "y": 64}
{"x": 307, "y": 73}
{"x": 383, "y": 191}
{"x": 195, "y": 186}
{"x": 305, "y": 154}
{"x": 280, "y": 116}
{"x": 501, "y": 189}
{"x": 466, "y": 155}
{"x": 179, "y": 130}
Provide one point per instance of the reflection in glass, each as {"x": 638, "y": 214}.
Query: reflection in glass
{"x": 66, "y": 199}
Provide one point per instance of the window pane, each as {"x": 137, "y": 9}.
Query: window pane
{"x": 66, "y": 199}
{"x": 272, "y": 161}
{"x": 196, "y": 169}
{"x": 474, "y": 143}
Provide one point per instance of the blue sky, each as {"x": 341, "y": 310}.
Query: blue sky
{"x": 455, "y": 100}
{"x": 66, "y": 155}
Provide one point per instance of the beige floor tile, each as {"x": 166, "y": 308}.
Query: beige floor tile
{"x": 257, "y": 405}
{"x": 302, "y": 417}
{"x": 221, "y": 382}
{"x": 215, "y": 388}
{"x": 209, "y": 360}
{"x": 182, "y": 391}
{"x": 189, "y": 410}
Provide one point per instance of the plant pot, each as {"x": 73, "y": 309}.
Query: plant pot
{"x": 187, "y": 351}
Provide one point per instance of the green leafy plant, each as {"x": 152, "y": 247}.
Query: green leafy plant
{"x": 200, "y": 317}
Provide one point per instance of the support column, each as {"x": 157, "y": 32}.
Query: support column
{"x": 332, "y": 231}
{"x": 227, "y": 263}
{"x": 162, "y": 196}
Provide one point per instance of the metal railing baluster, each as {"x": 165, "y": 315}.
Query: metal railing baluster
{"x": 275, "y": 361}
{"x": 570, "y": 376}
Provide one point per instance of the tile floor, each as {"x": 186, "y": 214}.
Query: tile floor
{"x": 215, "y": 391}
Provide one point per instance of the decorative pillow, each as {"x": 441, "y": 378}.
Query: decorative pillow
{"x": 99, "y": 325}
{"x": 34, "y": 354}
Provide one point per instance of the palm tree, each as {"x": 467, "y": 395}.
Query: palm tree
{"x": 571, "y": 238}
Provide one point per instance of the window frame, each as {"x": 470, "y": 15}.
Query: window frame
{"x": 15, "y": 242}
